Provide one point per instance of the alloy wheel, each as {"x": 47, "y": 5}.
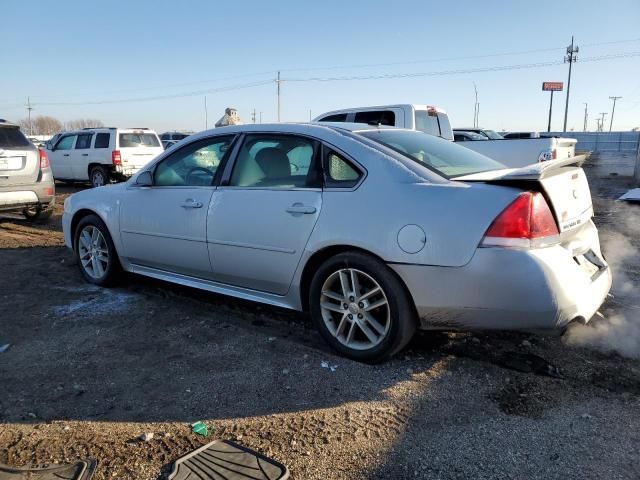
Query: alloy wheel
{"x": 93, "y": 252}
{"x": 355, "y": 309}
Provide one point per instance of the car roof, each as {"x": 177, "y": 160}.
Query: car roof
{"x": 5, "y": 123}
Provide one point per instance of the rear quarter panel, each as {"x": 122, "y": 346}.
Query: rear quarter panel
{"x": 453, "y": 216}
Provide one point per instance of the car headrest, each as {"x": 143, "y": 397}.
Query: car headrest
{"x": 273, "y": 162}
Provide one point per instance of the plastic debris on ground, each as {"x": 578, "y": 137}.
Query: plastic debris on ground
{"x": 632, "y": 195}
{"x": 325, "y": 364}
{"x": 200, "y": 428}
{"x": 5, "y": 347}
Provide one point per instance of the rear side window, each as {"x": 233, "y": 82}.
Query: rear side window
{"x": 84, "y": 141}
{"x": 380, "y": 117}
{"x": 102, "y": 140}
{"x": 132, "y": 140}
{"x": 12, "y": 137}
{"x": 339, "y": 172}
{"x": 338, "y": 117}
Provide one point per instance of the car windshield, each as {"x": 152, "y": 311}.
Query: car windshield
{"x": 440, "y": 155}
{"x": 12, "y": 137}
{"x": 492, "y": 135}
{"x": 128, "y": 140}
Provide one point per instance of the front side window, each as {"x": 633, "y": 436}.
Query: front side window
{"x": 381, "y": 117}
{"x": 275, "y": 161}
{"x": 193, "y": 165}
{"x": 66, "y": 143}
{"x": 132, "y": 140}
{"x": 84, "y": 141}
{"x": 437, "y": 154}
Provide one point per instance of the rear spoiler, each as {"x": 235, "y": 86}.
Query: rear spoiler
{"x": 536, "y": 171}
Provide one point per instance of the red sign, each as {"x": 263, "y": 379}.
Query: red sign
{"x": 552, "y": 86}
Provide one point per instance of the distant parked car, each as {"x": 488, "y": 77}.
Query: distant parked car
{"x": 520, "y": 135}
{"x": 424, "y": 118}
{"x": 489, "y": 134}
{"x": 168, "y": 143}
{"x": 102, "y": 155}
{"x": 376, "y": 231}
{"x": 462, "y": 136}
{"x": 26, "y": 182}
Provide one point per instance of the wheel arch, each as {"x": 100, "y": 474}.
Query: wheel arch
{"x": 77, "y": 217}
{"x": 319, "y": 257}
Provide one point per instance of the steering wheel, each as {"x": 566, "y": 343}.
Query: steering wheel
{"x": 295, "y": 167}
{"x": 198, "y": 169}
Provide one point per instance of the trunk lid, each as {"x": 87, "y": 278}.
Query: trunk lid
{"x": 563, "y": 182}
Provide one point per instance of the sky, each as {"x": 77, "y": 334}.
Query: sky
{"x": 152, "y": 63}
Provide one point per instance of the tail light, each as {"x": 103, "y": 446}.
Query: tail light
{"x": 44, "y": 160}
{"x": 526, "y": 223}
{"x": 116, "y": 159}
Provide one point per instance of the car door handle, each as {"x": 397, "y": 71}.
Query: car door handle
{"x": 65, "y": 155}
{"x": 191, "y": 203}
{"x": 85, "y": 154}
{"x": 300, "y": 208}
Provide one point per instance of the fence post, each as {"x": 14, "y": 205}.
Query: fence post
{"x": 636, "y": 170}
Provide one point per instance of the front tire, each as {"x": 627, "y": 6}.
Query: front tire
{"x": 361, "y": 307}
{"x": 99, "y": 177}
{"x": 95, "y": 252}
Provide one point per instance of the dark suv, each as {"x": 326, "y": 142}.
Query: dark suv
{"x": 26, "y": 181}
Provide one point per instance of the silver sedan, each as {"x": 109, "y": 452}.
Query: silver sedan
{"x": 375, "y": 231}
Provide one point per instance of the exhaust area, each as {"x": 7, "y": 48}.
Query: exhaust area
{"x": 618, "y": 328}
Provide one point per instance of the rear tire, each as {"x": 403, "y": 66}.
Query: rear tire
{"x": 96, "y": 255}
{"x": 99, "y": 177}
{"x": 361, "y": 308}
{"x": 37, "y": 213}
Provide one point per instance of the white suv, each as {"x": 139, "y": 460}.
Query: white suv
{"x": 102, "y": 155}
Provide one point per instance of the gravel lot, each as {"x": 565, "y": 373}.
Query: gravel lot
{"x": 89, "y": 370}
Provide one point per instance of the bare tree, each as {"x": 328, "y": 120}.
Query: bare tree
{"x": 45, "y": 125}
{"x": 81, "y": 123}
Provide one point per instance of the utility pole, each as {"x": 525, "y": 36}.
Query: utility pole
{"x": 253, "y": 116}
{"x": 29, "y": 108}
{"x": 260, "y": 117}
{"x": 477, "y": 114}
{"x": 602, "y": 120}
{"x": 586, "y": 115}
{"x": 550, "y": 109}
{"x": 475, "y": 107}
{"x": 206, "y": 115}
{"x": 309, "y": 114}
{"x": 613, "y": 110}
{"x": 278, "y": 82}
{"x": 570, "y": 58}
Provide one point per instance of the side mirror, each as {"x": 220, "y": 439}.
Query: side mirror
{"x": 145, "y": 179}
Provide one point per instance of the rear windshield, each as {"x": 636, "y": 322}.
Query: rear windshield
{"x": 12, "y": 137}
{"x": 139, "y": 140}
{"x": 434, "y": 123}
{"x": 441, "y": 156}
{"x": 493, "y": 135}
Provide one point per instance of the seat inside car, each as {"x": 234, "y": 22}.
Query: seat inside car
{"x": 274, "y": 163}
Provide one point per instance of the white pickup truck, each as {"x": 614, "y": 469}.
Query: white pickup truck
{"x": 517, "y": 152}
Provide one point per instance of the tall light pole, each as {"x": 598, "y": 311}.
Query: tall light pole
{"x": 278, "y": 82}
{"x": 570, "y": 58}
{"x": 586, "y": 116}
{"x": 475, "y": 107}
{"x": 613, "y": 110}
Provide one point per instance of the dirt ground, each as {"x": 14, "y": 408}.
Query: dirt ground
{"x": 89, "y": 370}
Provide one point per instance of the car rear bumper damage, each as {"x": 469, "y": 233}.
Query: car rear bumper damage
{"x": 542, "y": 289}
